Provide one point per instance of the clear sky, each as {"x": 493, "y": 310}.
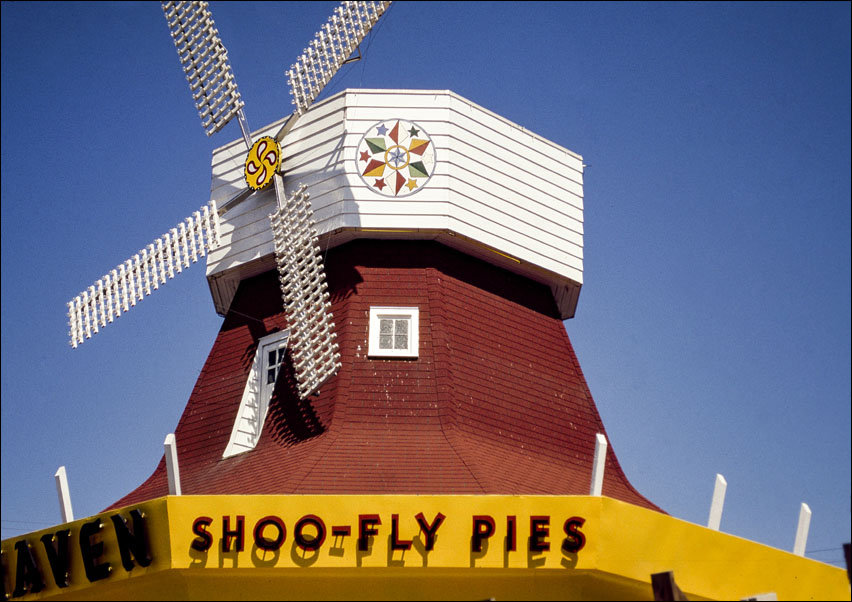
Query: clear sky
{"x": 714, "y": 323}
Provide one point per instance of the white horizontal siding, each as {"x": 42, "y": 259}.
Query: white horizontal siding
{"x": 495, "y": 183}
{"x": 448, "y": 110}
{"x": 462, "y": 159}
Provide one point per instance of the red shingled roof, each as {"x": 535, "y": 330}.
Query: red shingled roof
{"x": 495, "y": 403}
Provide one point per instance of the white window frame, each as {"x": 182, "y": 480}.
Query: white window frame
{"x": 257, "y": 393}
{"x": 412, "y": 314}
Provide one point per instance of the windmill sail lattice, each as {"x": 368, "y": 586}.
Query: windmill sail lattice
{"x": 120, "y": 289}
{"x": 330, "y": 48}
{"x": 316, "y": 355}
{"x": 205, "y": 62}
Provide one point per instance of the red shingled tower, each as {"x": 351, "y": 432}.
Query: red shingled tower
{"x": 496, "y": 402}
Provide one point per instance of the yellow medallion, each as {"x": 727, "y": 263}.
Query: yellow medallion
{"x": 262, "y": 162}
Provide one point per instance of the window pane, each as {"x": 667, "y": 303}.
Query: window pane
{"x": 280, "y": 355}
{"x": 270, "y": 376}
{"x": 385, "y": 326}
{"x": 401, "y": 334}
{"x": 385, "y": 341}
{"x": 401, "y": 341}
{"x": 400, "y": 327}
{"x": 271, "y": 360}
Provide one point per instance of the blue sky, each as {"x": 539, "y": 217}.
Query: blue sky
{"x": 714, "y": 323}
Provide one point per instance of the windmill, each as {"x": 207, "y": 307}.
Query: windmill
{"x": 300, "y": 268}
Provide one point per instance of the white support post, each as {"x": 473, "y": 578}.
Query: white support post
{"x": 802, "y": 530}
{"x": 598, "y": 465}
{"x": 718, "y": 503}
{"x": 172, "y": 469}
{"x": 65, "y": 510}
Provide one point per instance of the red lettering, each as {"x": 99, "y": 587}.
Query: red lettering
{"x": 366, "y": 528}
{"x": 204, "y": 540}
{"x": 511, "y": 534}
{"x": 430, "y": 531}
{"x": 539, "y": 531}
{"x": 228, "y": 534}
{"x": 483, "y": 528}
{"x": 575, "y": 540}
{"x": 313, "y": 543}
{"x": 396, "y": 543}
{"x": 269, "y": 544}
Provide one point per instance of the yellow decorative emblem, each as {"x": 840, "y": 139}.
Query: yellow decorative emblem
{"x": 262, "y": 162}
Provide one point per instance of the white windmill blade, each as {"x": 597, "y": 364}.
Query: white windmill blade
{"x": 330, "y": 48}
{"x": 119, "y": 290}
{"x": 205, "y": 62}
{"x": 315, "y": 355}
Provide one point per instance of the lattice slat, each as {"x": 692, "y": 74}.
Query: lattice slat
{"x": 332, "y": 45}
{"x": 133, "y": 280}
{"x": 205, "y": 62}
{"x": 298, "y": 257}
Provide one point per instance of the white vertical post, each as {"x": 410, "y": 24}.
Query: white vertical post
{"x": 61, "y": 479}
{"x": 172, "y": 469}
{"x": 598, "y": 465}
{"x": 718, "y": 503}
{"x": 802, "y": 530}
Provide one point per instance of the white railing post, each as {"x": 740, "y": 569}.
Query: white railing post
{"x": 598, "y": 465}
{"x": 172, "y": 469}
{"x": 802, "y": 530}
{"x": 718, "y": 503}
{"x": 65, "y": 510}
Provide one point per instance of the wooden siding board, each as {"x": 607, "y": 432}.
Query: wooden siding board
{"x": 483, "y": 156}
{"x": 323, "y": 154}
{"x": 479, "y": 126}
{"x": 322, "y": 116}
{"x": 477, "y": 203}
{"x": 507, "y": 181}
{"x": 255, "y": 234}
{"x": 522, "y": 149}
{"x": 503, "y": 241}
{"x": 413, "y": 98}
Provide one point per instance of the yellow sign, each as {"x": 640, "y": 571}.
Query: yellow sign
{"x": 99, "y": 553}
{"x": 398, "y": 547}
{"x": 262, "y": 162}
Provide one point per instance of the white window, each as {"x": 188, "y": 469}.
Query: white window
{"x": 273, "y": 357}
{"x": 257, "y": 393}
{"x": 394, "y": 332}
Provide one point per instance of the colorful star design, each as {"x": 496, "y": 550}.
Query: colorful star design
{"x": 396, "y": 158}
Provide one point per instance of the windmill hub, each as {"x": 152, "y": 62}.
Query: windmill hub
{"x": 262, "y": 162}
